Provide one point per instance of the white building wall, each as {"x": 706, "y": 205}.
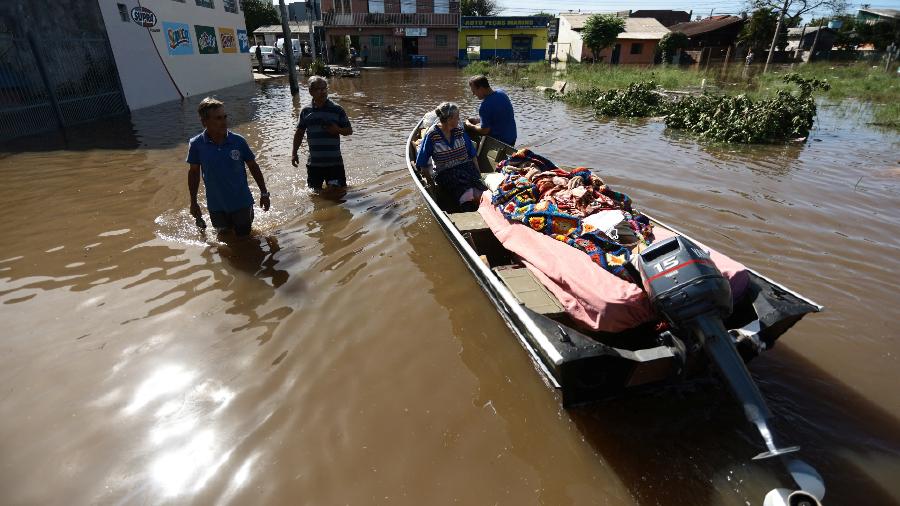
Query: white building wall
{"x": 151, "y": 75}
{"x": 570, "y": 43}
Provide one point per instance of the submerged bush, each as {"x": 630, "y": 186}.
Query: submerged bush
{"x": 723, "y": 118}
{"x": 317, "y": 67}
{"x": 742, "y": 119}
{"x": 637, "y": 101}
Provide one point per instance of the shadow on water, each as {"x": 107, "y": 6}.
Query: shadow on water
{"x": 678, "y": 444}
{"x": 254, "y": 258}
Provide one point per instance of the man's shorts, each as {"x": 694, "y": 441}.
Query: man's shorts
{"x": 332, "y": 176}
{"x": 239, "y": 220}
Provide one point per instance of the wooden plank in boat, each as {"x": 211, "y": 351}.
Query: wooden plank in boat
{"x": 468, "y": 222}
{"x": 529, "y": 291}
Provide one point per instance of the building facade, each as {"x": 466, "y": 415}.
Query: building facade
{"x": 169, "y": 49}
{"x": 303, "y": 11}
{"x": 508, "y": 38}
{"x": 635, "y": 46}
{"x": 392, "y": 31}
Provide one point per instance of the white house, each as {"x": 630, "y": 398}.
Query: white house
{"x": 635, "y": 46}
{"x": 169, "y": 49}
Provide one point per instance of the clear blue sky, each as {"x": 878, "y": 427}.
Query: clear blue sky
{"x": 700, "y": 7}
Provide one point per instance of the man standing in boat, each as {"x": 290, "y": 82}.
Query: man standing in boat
{"x": 497, "y": 118}
{"x": 220, "y": 156}
{"x": 323, "y": 122}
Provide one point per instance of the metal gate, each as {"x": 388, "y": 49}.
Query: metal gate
{"x": 59, "y": 83}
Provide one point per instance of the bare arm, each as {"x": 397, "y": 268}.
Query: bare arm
{"x": 260, "y": 182}
{"x": 475, "y": 129}
{"x": 298, "y": 140}
{"x": 193, "y": 187}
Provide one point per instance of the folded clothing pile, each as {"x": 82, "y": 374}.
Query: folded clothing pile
{"x": 595, "y": 298}
{"x": 574, "y": 207}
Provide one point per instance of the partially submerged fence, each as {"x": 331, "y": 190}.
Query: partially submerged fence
{"x": 52, "y": 83}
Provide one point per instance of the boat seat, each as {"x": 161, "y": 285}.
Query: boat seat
{"x": 490, "y": 152}
{"x": 468, "y": 222}
{"x": 529, "y": 291}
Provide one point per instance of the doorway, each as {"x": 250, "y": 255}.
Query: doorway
{"x": 521, "y": 48}
{"x": 410, "y": 47}
{"x": 617, "y": 52}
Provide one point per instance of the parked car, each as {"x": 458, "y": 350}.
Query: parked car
{"x": 271, "y": 59}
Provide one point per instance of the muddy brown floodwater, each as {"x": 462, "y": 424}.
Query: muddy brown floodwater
{"x": 344, "y": 355}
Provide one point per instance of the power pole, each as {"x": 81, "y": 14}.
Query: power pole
{"x": 889, "y": 56}
{"x": 310, "y": 13}
{"x": 812, "y": 49}
{"x": 775, "y": 38}
{"x": 289, "y": 49}
{"x": 800, "y": 44}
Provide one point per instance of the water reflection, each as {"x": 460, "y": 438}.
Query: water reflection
{"x": 132, "y": 362}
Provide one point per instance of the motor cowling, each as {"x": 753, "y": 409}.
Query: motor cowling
{"x": 682, "y": 281}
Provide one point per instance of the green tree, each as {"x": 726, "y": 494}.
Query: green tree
{"x": 759, "y": 30}
{"x": 479, "y": 8}
{"x": 600, "y": 31}
{"x": 259, "y": 13}
{"x": 794, "y": 9}
{"x": 671, "y": 43}
{"x": 846, "y": 36}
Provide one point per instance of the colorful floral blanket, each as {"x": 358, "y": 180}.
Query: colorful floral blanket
{"x": 555, "y": 202}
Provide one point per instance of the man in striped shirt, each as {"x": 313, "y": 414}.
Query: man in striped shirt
{"x": 323, "y": 122}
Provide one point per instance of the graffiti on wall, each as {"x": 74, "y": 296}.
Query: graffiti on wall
{"x": 206, "y": 39}
{"x": 178, "y": 38}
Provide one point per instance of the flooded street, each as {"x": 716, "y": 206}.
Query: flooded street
{"x": 345, "y": 355}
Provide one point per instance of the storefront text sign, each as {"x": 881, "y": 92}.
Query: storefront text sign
{"x": 206, "y": 39}
{"x": 143, "y": 16}
{"x": 228, "y": 39}
{"x": 178, "y": 38}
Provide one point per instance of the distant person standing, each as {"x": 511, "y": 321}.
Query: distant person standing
{"x": 259, "y": 61}
{"x": 220, "y": 157}
{"x": 323, "y": 122}
{"x": 496, "y": 116}
{"x": 749, "y": 58}
{"x": 365, "y": 55}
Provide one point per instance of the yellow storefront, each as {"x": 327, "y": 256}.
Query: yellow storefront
{"x": 508, "y": 38}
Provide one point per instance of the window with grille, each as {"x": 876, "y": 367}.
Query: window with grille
{"x": 442, "y": 6}
{"x": 637, "y": 48}
{"x": 206, "y": 3}
{"x": 123, "y": 12}
{"x": 408, "y": 6}
{"x": 376, "y": 6}
{"x": 440, "y": 40}
{"x": 230, "y": 5}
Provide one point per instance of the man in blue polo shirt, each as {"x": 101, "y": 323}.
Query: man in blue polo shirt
{"x": 497, "y": 117}
{"x": 220, "y": 156}
{"x": 323, "y": 122}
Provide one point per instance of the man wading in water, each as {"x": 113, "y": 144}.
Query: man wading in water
{"x": 220, "y": 156}
{"x": 324, "y": 122}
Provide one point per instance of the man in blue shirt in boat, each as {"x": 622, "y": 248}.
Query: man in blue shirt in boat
{"x": 220, "y": 156}
{"x": 497, "y": 118}
{"x": 323, "y": 122}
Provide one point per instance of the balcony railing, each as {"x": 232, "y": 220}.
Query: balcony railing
{"x": 392, "y": 19}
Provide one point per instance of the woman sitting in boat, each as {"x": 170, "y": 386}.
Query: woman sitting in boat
{"x": 453, "y": 153}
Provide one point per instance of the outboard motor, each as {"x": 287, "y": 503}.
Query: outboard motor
{"x": 686, "y": 287}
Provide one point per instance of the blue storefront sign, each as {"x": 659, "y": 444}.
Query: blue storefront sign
{"x": 178, "y": 38}
{"x": 243, "y": 41}
{"x": 503, "y": 22}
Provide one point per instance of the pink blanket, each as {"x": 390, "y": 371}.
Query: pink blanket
{"x": 592, "y": 296}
